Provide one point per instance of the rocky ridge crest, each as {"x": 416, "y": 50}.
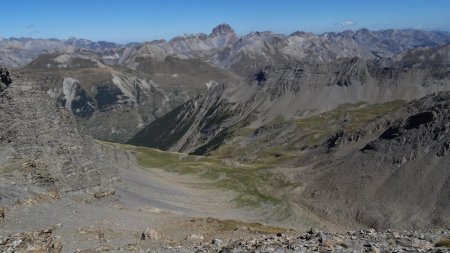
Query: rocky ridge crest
{"x": 43, "y": 153}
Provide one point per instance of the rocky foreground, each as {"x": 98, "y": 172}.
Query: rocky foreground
{"x": 311, "y": 241}
{"x": 355, "y": 241}
{"x": 319, "y": 241}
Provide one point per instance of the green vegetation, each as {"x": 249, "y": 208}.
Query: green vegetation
{"x": 232, "y": 225}
{"x": 246, "y": 166}
{"x": 348, "y": 118}
{"x": 250, "y": 182}
{"x": 268, "y": 158}
{"x": 7, "y": 169}
{"x": 257, "y": 151}
{"x": 244, "y": 132}
{"x": 443, "y": 242}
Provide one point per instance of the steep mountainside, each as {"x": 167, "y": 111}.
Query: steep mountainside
{"x": 290, "y": 92}
{"x": 342, "y": 131}
{"x": 382, "y": 166}
{"x": 396, "y": 176}
{"x": 113, "y": 103}
{"x": 44, "y": 156}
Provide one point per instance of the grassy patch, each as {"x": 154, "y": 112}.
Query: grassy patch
{"x": 264, "y": 159}
{"x": 244, "y": 132}
{"x": 7, "y": 169}
{"x": 443, "y": 242}
{"x": 272, "y": 157}
{"x": 227, "y": 151}
{"x": 231, "y": 225}
{"x": 248, "y": 182}
{"x": 349, "y": 118}
{"x": 260, "y": 151}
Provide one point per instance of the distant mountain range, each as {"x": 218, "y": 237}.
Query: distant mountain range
{"x": 17, "y": 52}
{"x": 115, "y": 90}
{"x": 224, "y": 48}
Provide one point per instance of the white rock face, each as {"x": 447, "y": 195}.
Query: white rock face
{"x": 211, "y": 84}
{"x": 64, "y": 58}
{"x": 124, "y": 85}
{"x": 69, "y": 91}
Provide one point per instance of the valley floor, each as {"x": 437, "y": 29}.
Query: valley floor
{"x": 175, "y": 212}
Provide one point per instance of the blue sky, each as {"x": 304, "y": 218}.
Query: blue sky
{"x": 139, "y": 20}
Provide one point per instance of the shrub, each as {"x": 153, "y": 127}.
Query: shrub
{"x": 443, "y": 242}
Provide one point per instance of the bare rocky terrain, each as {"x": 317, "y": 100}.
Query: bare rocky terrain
{"x": 63, "y": 191}
{"x": 336, "y": 142}
{"x": 117, "y": 205}
{"x": 113, "y": 102}
{"x": 361, "y": 154}
{"x": 290, "y": 92}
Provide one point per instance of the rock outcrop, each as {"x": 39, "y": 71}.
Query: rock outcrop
{"x": 43, "y": 153}
{"x": 398, "y": 178}
{"x": 35, "y": 241}
{"x": 5, "y": 79}
{"x": 352, "y": 241}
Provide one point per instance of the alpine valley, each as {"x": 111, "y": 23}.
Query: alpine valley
{"x": 215, "y": 142}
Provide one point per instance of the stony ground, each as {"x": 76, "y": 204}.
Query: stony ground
{"x": 355, "y": 241}
{"x": 242, "y": 239}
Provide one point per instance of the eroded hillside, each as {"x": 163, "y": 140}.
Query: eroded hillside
{"x": 367, "y": 161}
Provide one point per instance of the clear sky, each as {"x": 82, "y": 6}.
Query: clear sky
{"x": 143, "y": 20}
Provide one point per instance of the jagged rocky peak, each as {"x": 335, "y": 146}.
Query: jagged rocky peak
{"x": 90, "y": 45}
{"x": 222, "y": 35}
{"x": 300, "y": 33}
{"x": 363, "y": 31}
{"x": 222, "y": 29}
{"x": 200, "y": 36}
